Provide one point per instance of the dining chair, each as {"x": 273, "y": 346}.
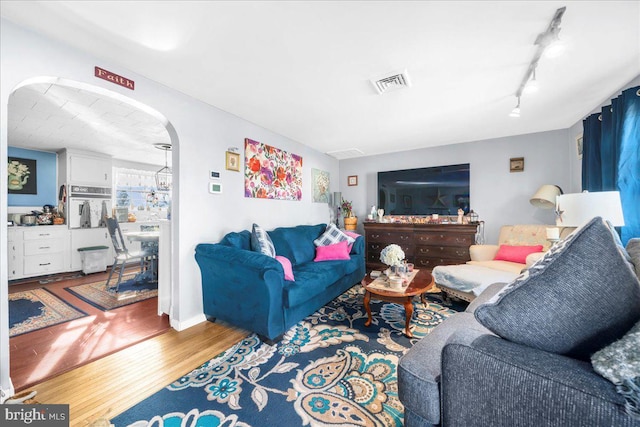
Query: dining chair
{"x": 122, "y": 254}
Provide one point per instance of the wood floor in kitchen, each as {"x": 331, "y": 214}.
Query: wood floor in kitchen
{"x": 48, "y": 352}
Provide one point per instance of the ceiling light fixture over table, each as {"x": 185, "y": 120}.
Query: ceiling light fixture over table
{"x": 164, "y": 175}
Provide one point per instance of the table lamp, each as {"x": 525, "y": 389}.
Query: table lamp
{"x": 545, "y": 197}
{"x": 577, "y": 208}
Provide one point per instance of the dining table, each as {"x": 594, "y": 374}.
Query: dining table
{"x": 151, "y": 238}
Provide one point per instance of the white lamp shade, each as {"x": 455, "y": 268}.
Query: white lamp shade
{"x": 545, "y": 197}
{"x": 577, "y": 208}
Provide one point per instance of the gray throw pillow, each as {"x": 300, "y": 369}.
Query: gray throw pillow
{"x": 331, "y": 236}
{"x": 580, "y": 296}
{"x": 261, "y": 242}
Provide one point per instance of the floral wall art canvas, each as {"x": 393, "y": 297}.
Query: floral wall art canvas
{"x": 320, "y": 182}
{"x": 271, "y": 173}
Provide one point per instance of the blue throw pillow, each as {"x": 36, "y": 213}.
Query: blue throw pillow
{"x": 261, "y": 242}
{"x": 580, "y": 296}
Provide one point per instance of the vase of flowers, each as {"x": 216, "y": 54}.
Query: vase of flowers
{"x": 350, "y": 220}
{"x": 393, "y": 256}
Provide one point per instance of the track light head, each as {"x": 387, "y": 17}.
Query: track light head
{"x": 516, "y": 111}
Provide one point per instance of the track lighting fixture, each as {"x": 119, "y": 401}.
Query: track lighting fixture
{"x": 516, "y": 111}
{"x": 532, "y": 84}
{"x": 544, "y": 41}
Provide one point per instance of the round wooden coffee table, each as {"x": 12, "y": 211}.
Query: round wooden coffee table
{"x": 418, "y": 286}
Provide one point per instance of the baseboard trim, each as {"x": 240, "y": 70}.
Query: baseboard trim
{"x": 182, "y": 325}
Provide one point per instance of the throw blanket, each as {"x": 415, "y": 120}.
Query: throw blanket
{"x": 620, "y": 364}
{"x": 470, "y": 278}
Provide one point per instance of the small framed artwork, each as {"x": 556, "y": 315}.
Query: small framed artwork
{"x": 516, "y": 164}
{"x": 407, "y": 201}
{"x": 352, "y": 180}
{"x": 232, "y": 161}
{"x": 22, "y": 176}
{"x": 579, "y": 145}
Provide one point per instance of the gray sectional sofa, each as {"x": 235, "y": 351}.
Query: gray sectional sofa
{"x": 521, "y": 354}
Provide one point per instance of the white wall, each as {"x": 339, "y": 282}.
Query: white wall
{"x": 497, "y": 195}
{"x": 204, "y": 133}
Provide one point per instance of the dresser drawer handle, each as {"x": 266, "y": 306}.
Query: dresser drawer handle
{"x": 44, "y": 234}
{"x": 375, "y": 236}
{"x": 375, "y": 246}
{"x": 42, "y": 265}
{"x": 44, "y": 247}
{"x": 461, "y": 253}
{"x": 404, "y": 237}
{"x": 460, "y": 239}
{"x": 442, "y": 236}
{"x": 441, "y": 249}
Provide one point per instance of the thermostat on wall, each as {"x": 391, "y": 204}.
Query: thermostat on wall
{"x": 215, "y": 188}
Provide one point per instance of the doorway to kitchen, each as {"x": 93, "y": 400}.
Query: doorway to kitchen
{"x": 67, "y": 118}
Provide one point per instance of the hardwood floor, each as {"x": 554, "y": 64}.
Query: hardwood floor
{"x": 48, "y": 352}
{"x": 113, "y": 384}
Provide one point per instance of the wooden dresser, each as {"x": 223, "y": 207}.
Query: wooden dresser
{"x": 425, "y": 245}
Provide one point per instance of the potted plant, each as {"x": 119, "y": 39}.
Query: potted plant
{"x": 350, "y": 220}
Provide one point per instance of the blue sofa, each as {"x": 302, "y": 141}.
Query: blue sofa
{"x": 248, "y": 289}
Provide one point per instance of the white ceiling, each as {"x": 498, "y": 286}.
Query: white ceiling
{"x": 303, "y": 69}
{"x": 49, "y": 117}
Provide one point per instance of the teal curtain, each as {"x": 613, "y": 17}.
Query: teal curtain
{"x": 611, "y": 155}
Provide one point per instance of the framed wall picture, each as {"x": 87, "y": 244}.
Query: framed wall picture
{"x": 352, "y": 180}
{"x": 22, "y": 176}
{"x": 579, "y": 145}
{"x": 232, "y": 161}
{"x": 516, "y": 164}
{"x": 320, "y": 182}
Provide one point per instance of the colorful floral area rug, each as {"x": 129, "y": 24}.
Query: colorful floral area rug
{"x": 37, "y": 309}
{"x": 328, "y": 370}
{"x": 131, "y": 290}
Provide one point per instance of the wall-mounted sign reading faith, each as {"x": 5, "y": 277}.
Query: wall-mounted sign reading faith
{"x": 114, "y": 78}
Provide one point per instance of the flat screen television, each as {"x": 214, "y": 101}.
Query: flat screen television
{"x": 441, "y": 190}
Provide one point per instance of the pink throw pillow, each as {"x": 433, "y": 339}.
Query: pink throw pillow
{"x": 353, "y": 235}
{"x": 286, "y": 266}
{"x": 339, "y": 251}
{"x": 516, "y": 253}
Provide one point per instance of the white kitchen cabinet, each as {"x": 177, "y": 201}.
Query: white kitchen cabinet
{"x": 36, "y": 251}
{"x": 84, "y": 168}
{"x": 88, "y": 237}
{"x": 14, "y": 253}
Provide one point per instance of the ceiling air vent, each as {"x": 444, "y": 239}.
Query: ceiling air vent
{"x": 392, "y": 81}
{"x": 346, "y": 154}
